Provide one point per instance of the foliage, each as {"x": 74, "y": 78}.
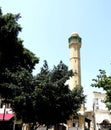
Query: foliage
{"x": 16, "y": 66}
{"x": 54, "y": 101}
{"x": 104, "y": 81}
{"x": 12, "y": 52}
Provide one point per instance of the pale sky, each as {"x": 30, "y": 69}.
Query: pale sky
{"x": 47, "y": 25}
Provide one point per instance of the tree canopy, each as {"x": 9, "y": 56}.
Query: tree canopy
{"x": 56, "y": 101}
{"x": 12, "y": 52}
{"x": 104, "y": 81}
{"x": 16, "y": 65}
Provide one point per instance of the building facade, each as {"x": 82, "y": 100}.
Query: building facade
{"x": 101, "y": 114}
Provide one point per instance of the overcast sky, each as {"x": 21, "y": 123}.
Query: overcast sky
{"x": 47, "y": 25}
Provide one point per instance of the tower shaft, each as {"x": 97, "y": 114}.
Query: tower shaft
{"x": 75, "y": 66}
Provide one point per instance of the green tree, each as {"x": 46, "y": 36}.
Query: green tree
{"x": 54, "y": 101}
{"x": 16, "y": 66}
{"x": 104, "y": 81}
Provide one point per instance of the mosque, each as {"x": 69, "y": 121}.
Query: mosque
{"x": 99, "y": 118}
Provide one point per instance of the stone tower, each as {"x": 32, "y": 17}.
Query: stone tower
{"x": 75, "y": 66}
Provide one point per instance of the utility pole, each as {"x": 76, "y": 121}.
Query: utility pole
{"x": 94, "y": 125}
{"x": 84, "y": 113}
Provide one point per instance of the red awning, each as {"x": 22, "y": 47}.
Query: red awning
{"x": 6, "y": 117}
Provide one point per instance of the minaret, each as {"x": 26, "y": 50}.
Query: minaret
{"x": 75, "y": 66}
